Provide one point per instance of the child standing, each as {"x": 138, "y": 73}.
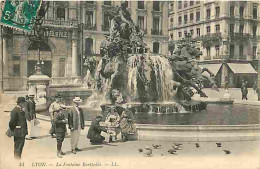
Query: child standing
{"x": 112, "y": 122}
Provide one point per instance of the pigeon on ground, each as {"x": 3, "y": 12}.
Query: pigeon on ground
{"x": 140, "y": 150}
{"x": 148, "y": 151}
{"x": 218, "y": 144}
{"x": 171, "y": 151}
{"x": 177, "y": 144}
{"x": 197, "y": 145}
{"x": 227, "y": 151}
{"x": 156, "y": 146}
{"x": 177, "y": 147}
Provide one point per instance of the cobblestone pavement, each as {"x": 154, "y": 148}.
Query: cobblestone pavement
{"x": 42, "y": 151}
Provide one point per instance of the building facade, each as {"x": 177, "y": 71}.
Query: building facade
{"x": 227, "y": 32}
{"x": 75, "y": 29}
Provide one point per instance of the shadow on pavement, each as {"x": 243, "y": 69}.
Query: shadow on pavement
{"x": 85, "y": 149}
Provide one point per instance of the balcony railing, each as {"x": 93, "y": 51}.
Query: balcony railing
{"x": 105, "y": 28}
{"x": 156, "y": 32}
{"x": 59, "y": 22}
{"x": 90, "y": 27}
{"x": 240, "y": 36}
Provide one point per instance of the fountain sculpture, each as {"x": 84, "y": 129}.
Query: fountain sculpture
{"x": 129, "y": 73}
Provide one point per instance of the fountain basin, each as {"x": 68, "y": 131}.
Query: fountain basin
{"x": 215, "y": 114}
{"x": 189, "y": 133}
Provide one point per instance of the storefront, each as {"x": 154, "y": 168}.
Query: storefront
{"x": 241, "y": 71}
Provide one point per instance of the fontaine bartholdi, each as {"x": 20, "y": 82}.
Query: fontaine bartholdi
{"x": 129, "y": 74}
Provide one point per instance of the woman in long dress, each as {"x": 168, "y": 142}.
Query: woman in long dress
{"x": 127, "y": 124}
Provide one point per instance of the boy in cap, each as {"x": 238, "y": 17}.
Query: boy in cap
{"x": 55, "y": 106}
{"x": 18, "y": 126}
{"x": 76, "y": 124}
{"x": 60, "y": 128}
{"x": 94, "y": 132}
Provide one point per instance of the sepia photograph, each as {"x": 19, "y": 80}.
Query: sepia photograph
{"x": 129, "y": 84}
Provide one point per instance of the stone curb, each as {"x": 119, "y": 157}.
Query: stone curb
{"x": 191, "y": 132}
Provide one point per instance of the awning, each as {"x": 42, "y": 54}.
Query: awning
{"x": 242, "y": 68}
{"x": 214, "y": 68}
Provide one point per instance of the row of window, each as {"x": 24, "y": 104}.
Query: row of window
{"x": 217, "y": 14}
{"x": 140, "y": 5}
{"x": 241, "y": 29}
{"x": 232, "y": 51}
{"x": 185, "y": 3}
{"x": 241, "y": 11}
{"x": 185, "y": 17}
{"x": 217, "y": 30}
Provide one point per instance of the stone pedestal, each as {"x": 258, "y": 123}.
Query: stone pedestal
{"x": 38, "y": 86}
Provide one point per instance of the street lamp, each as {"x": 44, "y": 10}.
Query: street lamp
{"x": 38, "y": 35}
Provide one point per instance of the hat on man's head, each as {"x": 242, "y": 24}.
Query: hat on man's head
{"x": 20, "y": 100}
{"x": 31, "y": 95}
{"x": 77, "y": 100}
{"x": 58, "y": 95}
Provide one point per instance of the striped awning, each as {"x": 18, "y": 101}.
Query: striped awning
{"x": 242, "y": 68}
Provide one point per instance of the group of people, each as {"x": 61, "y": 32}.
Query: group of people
{"x": 25, "y": 111}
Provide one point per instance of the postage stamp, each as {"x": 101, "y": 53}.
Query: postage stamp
{"x": 20, "y": 14}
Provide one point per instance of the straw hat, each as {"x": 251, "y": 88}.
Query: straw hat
{"x": 77, "y": 100}
{"x": 31, "y": 95}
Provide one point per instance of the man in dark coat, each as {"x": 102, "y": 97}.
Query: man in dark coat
{"x": 18, "y": 126}
{"x": 76, "y": 124}
{"x": 244, "y": 91}
{"x": 94, "y": 132}
{"x": 30, "y": 116}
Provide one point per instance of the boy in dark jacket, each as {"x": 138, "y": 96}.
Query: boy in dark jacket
{"x": 60, "y": 128}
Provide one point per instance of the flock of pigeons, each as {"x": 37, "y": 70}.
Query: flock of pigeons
{"x": 175, "y": 147}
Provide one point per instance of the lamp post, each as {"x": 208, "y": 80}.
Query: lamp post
{"x": 38, "y": 35}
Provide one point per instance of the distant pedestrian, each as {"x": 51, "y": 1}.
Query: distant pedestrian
{"x": 94, "y": 132}
{"x": 258, "y": 93}
{"x": 226, "y": 82}
{"x": 244, "y": 91}
{"x": 60, "y": 128}
{"x": 254, "y": 87}
{"x": 30, "y": 114}
{"x": 18, "y": 126}
{"x": 76, "y": 124}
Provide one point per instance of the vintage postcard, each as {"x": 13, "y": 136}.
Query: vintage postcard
{"x": 129, "y": 84}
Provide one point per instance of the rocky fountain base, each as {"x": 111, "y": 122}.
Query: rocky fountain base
{"x": 160, "y": 107}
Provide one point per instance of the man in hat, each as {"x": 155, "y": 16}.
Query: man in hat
{"x": 94, "y": 132}
{"x": 55, "y": 106}
{"x": 18, "y": 126}
{"x": 30, "y": 116}
{"x": 76, "y": 124}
